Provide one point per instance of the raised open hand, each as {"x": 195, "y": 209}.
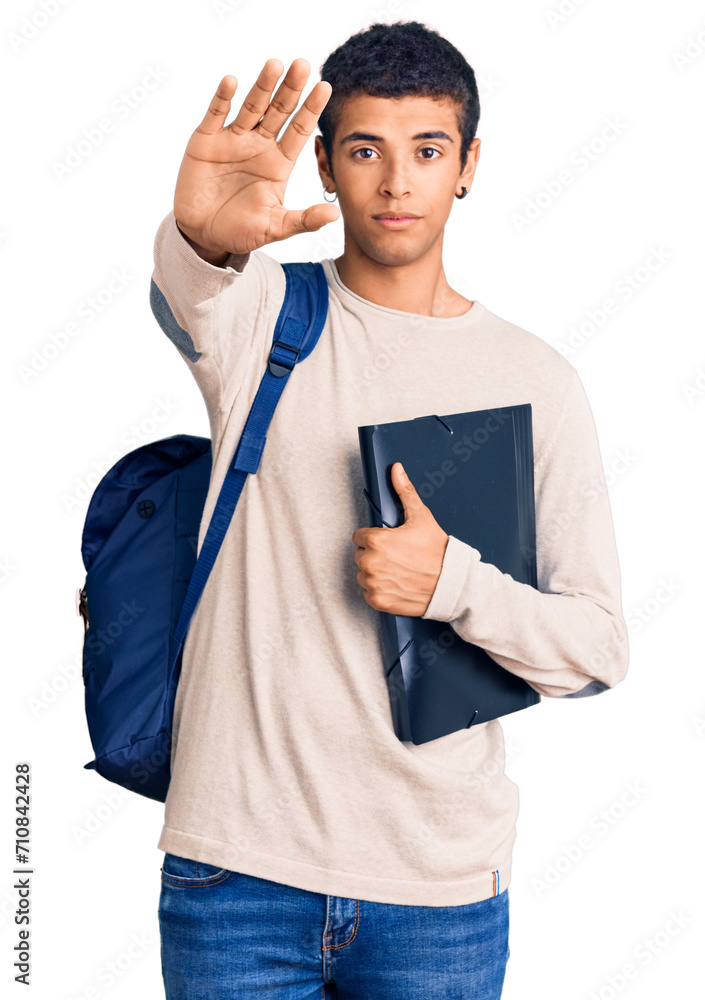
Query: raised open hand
{"x": 230, "y": 188}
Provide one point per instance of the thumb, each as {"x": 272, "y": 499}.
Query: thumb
{"x": 406, "y": 491}
{"x": 311, "y": 219}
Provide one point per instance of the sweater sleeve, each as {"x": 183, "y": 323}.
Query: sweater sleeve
{"x": 208, "y": 312}
{"x": 568, "y": 638}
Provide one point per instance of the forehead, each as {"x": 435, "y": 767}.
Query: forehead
{"x": 398, "y": 117}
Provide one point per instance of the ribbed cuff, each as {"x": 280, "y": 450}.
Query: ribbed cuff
{"x": 447, "y": 599}
{"x": 190, "y": 260}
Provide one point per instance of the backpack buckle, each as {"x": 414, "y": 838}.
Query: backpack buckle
{"x": 281, "y": 366}
{"x": 82, "y": 607}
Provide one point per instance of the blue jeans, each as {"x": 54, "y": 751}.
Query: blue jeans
{"x": 225, "y": 934}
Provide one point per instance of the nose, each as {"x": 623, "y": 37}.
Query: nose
{"x": 395, "y": 180}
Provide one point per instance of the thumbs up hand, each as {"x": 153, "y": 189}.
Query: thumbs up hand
{"x": 399, "y": 567}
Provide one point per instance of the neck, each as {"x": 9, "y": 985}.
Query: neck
{"x": 418, "y": 287}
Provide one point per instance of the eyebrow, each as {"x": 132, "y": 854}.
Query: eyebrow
{"x": 367, "y": 137}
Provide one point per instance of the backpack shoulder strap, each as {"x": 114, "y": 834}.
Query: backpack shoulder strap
{"x": 298, "y": 327}
{"x": 297, "y": 331}
{"x": 305, "y": 303}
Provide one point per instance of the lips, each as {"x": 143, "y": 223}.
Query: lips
{"x": 389, "y": 221}
{"x": 395, "y": 215}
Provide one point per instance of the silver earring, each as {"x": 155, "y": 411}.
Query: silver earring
{"x": 329, "y": 200}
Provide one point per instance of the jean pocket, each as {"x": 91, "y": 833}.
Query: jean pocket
{"x": 191, "y": 874}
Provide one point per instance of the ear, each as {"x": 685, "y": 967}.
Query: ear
{"x": 468, "y": 173}
{"x": 323, "y": 165}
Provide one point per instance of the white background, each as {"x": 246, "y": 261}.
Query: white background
{"x": 549, "y": 85}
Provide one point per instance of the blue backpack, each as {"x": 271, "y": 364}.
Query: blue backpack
{"x": 139, "y": 544}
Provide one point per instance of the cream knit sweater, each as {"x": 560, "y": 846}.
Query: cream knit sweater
{"x": 285, "y": 764}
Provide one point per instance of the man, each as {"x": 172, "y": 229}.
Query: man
{"x": 307, "y": 849}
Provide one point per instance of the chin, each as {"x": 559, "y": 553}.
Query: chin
{"x": 385, "y": 253}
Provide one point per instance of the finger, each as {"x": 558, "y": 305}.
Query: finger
{"x": 304, "y": 121}
{"x": 218, "y": 109}
{"x": 285, "y": 99}
{"x": 257, "y": 101}
{"x": 309, "y": 220}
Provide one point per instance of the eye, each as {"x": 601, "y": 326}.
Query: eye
{"x": 364, "y": 149}
{"x": 430, "y": 149}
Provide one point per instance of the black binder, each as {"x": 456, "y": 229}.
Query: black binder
{"x": 475, "y": 473}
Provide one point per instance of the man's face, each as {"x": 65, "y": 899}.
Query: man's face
{"x": 383, "y": 163}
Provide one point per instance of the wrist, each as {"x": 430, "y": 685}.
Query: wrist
{"x": 215, "y": 257}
